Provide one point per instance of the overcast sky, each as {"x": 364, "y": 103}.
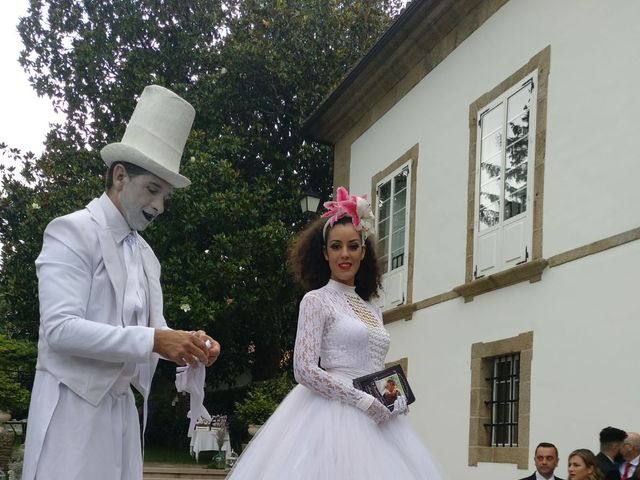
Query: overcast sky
{"x": 25, "y": 118}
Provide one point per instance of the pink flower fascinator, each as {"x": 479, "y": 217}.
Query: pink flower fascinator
{"x": 356, "y": 207}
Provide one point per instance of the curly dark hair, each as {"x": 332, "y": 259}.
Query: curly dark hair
{"x": 311, "y": 270}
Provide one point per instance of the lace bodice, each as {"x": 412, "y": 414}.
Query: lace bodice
{"x": 348, "y": 336}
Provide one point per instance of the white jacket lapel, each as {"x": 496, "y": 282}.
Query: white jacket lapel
{"x": 152, "y": 272}
{"x": 110, "y": 257}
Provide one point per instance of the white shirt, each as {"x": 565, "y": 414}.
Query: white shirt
{"x": 540, "y": 477}
{"x": 634, "y": 465}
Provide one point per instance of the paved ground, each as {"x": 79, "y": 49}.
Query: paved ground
{"x": 165, "y": 471}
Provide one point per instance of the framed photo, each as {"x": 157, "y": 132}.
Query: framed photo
{"x": 386, "y": 385}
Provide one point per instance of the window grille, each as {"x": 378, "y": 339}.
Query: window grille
{"x": 505, "y": 389}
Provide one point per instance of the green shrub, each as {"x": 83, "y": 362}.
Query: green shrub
{"x": 255, "y": 409}
{"x": 262, "y": 399}
{"x": 16, "y": 375}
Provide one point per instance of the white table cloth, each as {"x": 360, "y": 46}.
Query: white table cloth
{"x": 205, "y": 439}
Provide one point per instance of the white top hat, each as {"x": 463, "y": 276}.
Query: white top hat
{"x": 155, "y": 135}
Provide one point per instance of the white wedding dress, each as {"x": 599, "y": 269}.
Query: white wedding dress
{"x": 317, "y": 432}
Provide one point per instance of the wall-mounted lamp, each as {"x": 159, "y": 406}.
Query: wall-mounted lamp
{"x": 309, "y": 202}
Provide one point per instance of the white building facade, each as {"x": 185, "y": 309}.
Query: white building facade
{"x": 499, "y": 142}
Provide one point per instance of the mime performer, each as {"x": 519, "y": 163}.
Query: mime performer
{"x": 102, "y": 327}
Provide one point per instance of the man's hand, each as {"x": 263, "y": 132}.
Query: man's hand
{"x": 213, "y": 352}
{"x": 183, "y": 347}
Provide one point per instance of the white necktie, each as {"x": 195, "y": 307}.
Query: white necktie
{"x": 132, "y": 295}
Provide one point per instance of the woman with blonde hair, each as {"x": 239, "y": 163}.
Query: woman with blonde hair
{"x": 583, "y": 465}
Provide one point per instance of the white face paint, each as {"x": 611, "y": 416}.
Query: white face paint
{"x": 140, "y": 199}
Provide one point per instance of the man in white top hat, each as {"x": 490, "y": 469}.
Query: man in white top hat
{"x": 101, "y": 323}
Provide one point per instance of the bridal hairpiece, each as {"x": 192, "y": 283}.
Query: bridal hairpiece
{"x": 356, "y": 207}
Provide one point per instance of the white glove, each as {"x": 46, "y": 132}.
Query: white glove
{"x": 400, "y": 406}
{"x": 379, "y": 413}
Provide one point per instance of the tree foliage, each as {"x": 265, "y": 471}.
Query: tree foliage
{"x": 261, "y": 401}
{"x": 254, "y": 70}
{"x": 16, "y": 373}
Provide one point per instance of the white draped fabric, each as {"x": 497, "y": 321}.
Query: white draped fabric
{"x": 191, "y": 380}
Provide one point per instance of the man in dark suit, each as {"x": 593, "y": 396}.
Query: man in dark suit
{"x": 546, "y": 460}
{"x": 611, "y": 440}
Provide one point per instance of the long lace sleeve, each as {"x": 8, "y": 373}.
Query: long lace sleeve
{"x": 311, "y": 322}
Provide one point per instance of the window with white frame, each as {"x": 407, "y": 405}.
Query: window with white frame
{"x": 392, "y": 195}
{"x": 504, "y": 180}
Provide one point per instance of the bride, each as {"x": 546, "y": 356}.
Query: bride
{"x": 326, "y": 429}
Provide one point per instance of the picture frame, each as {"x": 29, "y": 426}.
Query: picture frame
{"x": 386, "y": 385}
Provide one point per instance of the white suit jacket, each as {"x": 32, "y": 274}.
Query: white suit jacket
{"x": 83, "y": 342}
{"x": 81, "y": 280}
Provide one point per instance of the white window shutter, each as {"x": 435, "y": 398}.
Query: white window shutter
{"x": 504, "y": 175}
{"x": 515, "y": 242}
{"x": 393, "y": 284}
{"x": 486, "y": 255}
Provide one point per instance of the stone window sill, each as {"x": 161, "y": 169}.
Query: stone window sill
{"x": 531, "y": 271}
{"x": 403, "y": 312}
{"x": 517, "y": 455}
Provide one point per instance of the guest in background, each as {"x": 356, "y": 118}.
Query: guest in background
{"x": 630, "y": 451}
{"x": 583, "y": 465}
{"x": 611, "y": 439}
{"x": 546, "y": 460}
